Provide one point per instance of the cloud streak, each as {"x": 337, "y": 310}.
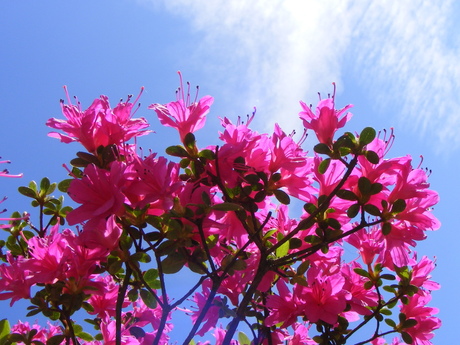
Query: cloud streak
{"x": 275, "y": 55}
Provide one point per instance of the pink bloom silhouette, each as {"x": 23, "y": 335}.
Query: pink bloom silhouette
{"x": 184, "y": 115}
{"x": 324, "y": 299}
{"x": 326, "y": 120}
{"x": 15, "y": 280}
{"x": 99, "y": 125}
{"x": 416, "y": 309}
{"x": 99, "y": 192}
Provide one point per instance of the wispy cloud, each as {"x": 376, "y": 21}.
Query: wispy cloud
{"x": 279, "y": 52}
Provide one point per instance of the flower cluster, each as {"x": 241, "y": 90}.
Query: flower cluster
{"x": 222, "y": 212}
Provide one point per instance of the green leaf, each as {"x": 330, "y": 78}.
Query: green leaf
{"x": 115, "y": 267}
{"x": 372, "y": 157}
{"x": 309, "y": 207}
{"x": 312, "y": 239}
{"x": 282, "y": 250}
{"x": 44, "y": 185}
{"x": 407, "y": 338}
{"x": 346, "y": 195}
{"x": 140, "y": 257}
{"x": 398, "y": 206}
{"x": 189, "y": 140}
{"x": 226, "y": 206}
{"x": 85, "y": 336}
{"x": 137, "y": 332}
{"x": 79, "y": 162}
{"x": 55, "y": 340}
{"x": 16, "y": 337}
{"x": 353, "y": 210}
{"x": 385, "y": 311}
{"x": 63, "y": 186}
{"x": 27, "y": 192}
{"x": 295, "y": 243}
{"x": 409, "y": 323}
{"x": 367, "y": 135}
{"x": 389, "y": 289}
{"x": 372, "y": 210}
{"x": 177, "y": 151}
{"x": 390, "y": 323}
{"x": 243, "y": 339}
{"x": 282, "y": 197}
{"x": 4, "y": 331}
{"x": 386, "y": 228}
{"x": 362, "y": 272}
{"x": 33, "y": 185}
{"x": 324, "y": 165}
{"x": 208, "y": 154}
{"x": 322, "y": 149}
{"x": 148, "y": 299}
{"x": 368, "y": 285}
{"x": 173, "y": 263}
{"x": 388, "y": 276}
{"x": 364, "y": 185}
{"x": 151, "y": 275}
{"x": 376, "y": 188}
{"x": 88, "y": 157}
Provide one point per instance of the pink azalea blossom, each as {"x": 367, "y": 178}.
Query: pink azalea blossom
{"x": 104, "y": 303}
{"x": 42, "y": 334}
{"x": 155, "y": 182}
{"x": 285, "y": 153}
{"x": 15, "y": 280}
{"x": 99, "y": 192}
{"x": 184, "y": 115}
{"x": 212, "y": 315}
{"x": 325, "y": 298}
{"x": 300, "y": 336}
{"x": 416, "y": 309}
{"x": 103, "y": 234}
{"x": 326, "y": 120}
{"x": 283, "y": 307}
{"x": 421, "y": 276}
{"x": 99, "y": 125}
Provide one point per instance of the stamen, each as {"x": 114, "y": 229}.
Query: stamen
{"x": 187, "y": 101}
{"x": 196, "y": 96}
{"x": 181, "y": 87}
{"x": 303, "y": 137}
{"x": 421, "y": 161}
{"x": 67, "y": 94}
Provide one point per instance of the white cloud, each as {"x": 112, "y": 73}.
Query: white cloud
{"x": 278, "y": 52}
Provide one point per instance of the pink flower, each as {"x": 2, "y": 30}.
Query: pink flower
{"x": 99, "y": 125}
{"x": 184, "y": 115}
{"x": 283, "y": 307}
{"x": 41, "y": 335}
{"x": 326, "y": 121}
{"x": 368, "y": 242}
{"x": 212, "y": 315}
{"x": 104, "y": 303}
{"x": 361, "y": 298}
{"x": 99, "y": 192}
{"x": 416, "y": 309}
{"x": 285, "y": 152}
{"x": 300, "y": 336}
{"x": 155, "y": 182}
{"x": 325, "y": 298}
{"x": 421, "y": 276}
{"x": 103, "y": 234}
{"x": 15, "y": 280}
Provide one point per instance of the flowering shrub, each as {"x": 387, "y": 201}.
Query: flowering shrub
{"x": 222, "y": 212}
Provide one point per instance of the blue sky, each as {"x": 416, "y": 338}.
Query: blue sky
{"x": 397, "y": 62}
